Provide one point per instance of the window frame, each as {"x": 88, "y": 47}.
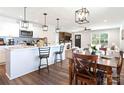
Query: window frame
{"x": 99, "y": 37}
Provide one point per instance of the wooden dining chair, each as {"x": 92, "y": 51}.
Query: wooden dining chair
{"x": 117, "y": 70}
{"x": 82, "y": 66}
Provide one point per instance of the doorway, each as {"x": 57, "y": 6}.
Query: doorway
{"x": 78, "y": 41}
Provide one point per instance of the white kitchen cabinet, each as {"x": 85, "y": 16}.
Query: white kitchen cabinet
{"x": 35, "y": 28}
{"x": 2, "y": 55}
{"x": 13, "y": 30}
{"x": 30, "y": 27}
{"x": 9, "y": 27}
{"x": 21, "y": 61}
{"x": 37, "y": 31}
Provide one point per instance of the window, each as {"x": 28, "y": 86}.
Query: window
{"x": 100, "y": 39}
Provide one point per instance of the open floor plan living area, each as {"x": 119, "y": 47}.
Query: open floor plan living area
{"x": 61, "y": 45}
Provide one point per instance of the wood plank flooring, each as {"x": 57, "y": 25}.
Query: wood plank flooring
{"x": 58, "y": 75}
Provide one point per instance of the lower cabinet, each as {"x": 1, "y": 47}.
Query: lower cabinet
{"x": 2, "y": 55}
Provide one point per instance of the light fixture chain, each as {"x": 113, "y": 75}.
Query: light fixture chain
{"x": 45, "y": 14}
{"x": 25, "y": 13}
{"x": 57, "y": 23}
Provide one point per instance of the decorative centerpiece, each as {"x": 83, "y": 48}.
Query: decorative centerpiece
{"x": 93, "y": 50}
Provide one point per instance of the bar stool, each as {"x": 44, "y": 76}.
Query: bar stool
{"x": 44, "y": 53}
{"x": 59, "y": 53}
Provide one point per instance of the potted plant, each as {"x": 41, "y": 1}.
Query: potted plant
{"x": 93, "y": 50}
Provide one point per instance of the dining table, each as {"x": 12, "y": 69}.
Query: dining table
{"x": 105, "y": 63}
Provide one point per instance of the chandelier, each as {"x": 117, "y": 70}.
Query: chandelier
{"x": 45, "y": 27}
{"x": 24, "y": 22}
{"x": 57, "y": 27}
{"x": 81, "y": 16}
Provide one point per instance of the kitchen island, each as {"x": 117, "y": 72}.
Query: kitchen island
{"x": 23, "y": 60}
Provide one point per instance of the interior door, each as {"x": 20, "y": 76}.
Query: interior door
{"x": 78, "y": 41}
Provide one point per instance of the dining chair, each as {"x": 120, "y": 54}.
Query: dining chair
{"x": 82, "y": 63}
{"x": 117, "y": 70}
{"x": 103, "y": 49}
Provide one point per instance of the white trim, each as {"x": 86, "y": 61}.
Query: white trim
{"x": 2, "y": 63}
{"x": 8, "y": 76}
{"x": 99, "y": 33}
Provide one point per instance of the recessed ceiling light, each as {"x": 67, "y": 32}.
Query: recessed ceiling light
{"x": 105, "y": 20}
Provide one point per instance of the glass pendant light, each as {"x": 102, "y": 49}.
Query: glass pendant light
{"x": 45, "y": 27}
{"x": 24, "y": 22}
{"x": 57, "y": 27}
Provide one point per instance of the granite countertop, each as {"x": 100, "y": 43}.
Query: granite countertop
{"x": 13, "y": 47}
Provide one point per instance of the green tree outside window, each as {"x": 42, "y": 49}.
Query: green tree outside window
{"x": 101, "y": 39}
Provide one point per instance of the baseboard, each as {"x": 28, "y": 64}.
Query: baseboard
{"x": 3, "y": 63}
{"x": 8, "y": 76}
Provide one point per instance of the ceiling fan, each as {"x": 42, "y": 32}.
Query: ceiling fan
{"x": 86, "y": 29}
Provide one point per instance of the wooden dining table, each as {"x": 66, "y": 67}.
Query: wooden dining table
{"x": 103, "y": 63}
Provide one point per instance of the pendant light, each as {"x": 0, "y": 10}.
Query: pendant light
{"x": 24, "y": 22}
{"x": 81, "y": 16}
{"x": 57, "y": 27}
{"x": 45, "y": 27}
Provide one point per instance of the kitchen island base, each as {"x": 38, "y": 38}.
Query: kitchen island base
{"x": 21, "y": 61}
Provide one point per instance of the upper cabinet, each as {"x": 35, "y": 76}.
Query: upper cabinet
{"x": 64, "y": 37}
{"x": 35, "y": 28}
{"x": 9, "y": 28}
{"x": 30, "y": 28}
{"x": 14, "y": 31}
{"x": 37, "y": 31}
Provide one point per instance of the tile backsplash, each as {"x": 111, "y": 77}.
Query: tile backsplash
{"x": 18, "y": 40}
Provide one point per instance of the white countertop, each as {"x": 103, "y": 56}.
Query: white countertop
{"x": 13, "y": 47}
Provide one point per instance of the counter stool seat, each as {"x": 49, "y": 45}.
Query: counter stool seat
{"x": 44, "y": 54}
{"x": 59, "y": 53}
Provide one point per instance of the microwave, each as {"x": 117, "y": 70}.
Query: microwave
{"x": 25, "y": 34}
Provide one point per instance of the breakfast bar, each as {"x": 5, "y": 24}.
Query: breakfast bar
{"x": 22, "y": 60}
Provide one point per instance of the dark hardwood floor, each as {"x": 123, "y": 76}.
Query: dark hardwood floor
{"x": 58, "y": 75}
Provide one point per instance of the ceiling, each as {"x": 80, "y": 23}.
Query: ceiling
{"x": 99, "y": 17}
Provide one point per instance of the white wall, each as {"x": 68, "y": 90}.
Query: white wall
{"x": 52, "y": 36}
{"x": 113, "y": 37}
{"x": 121, "y": 41}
